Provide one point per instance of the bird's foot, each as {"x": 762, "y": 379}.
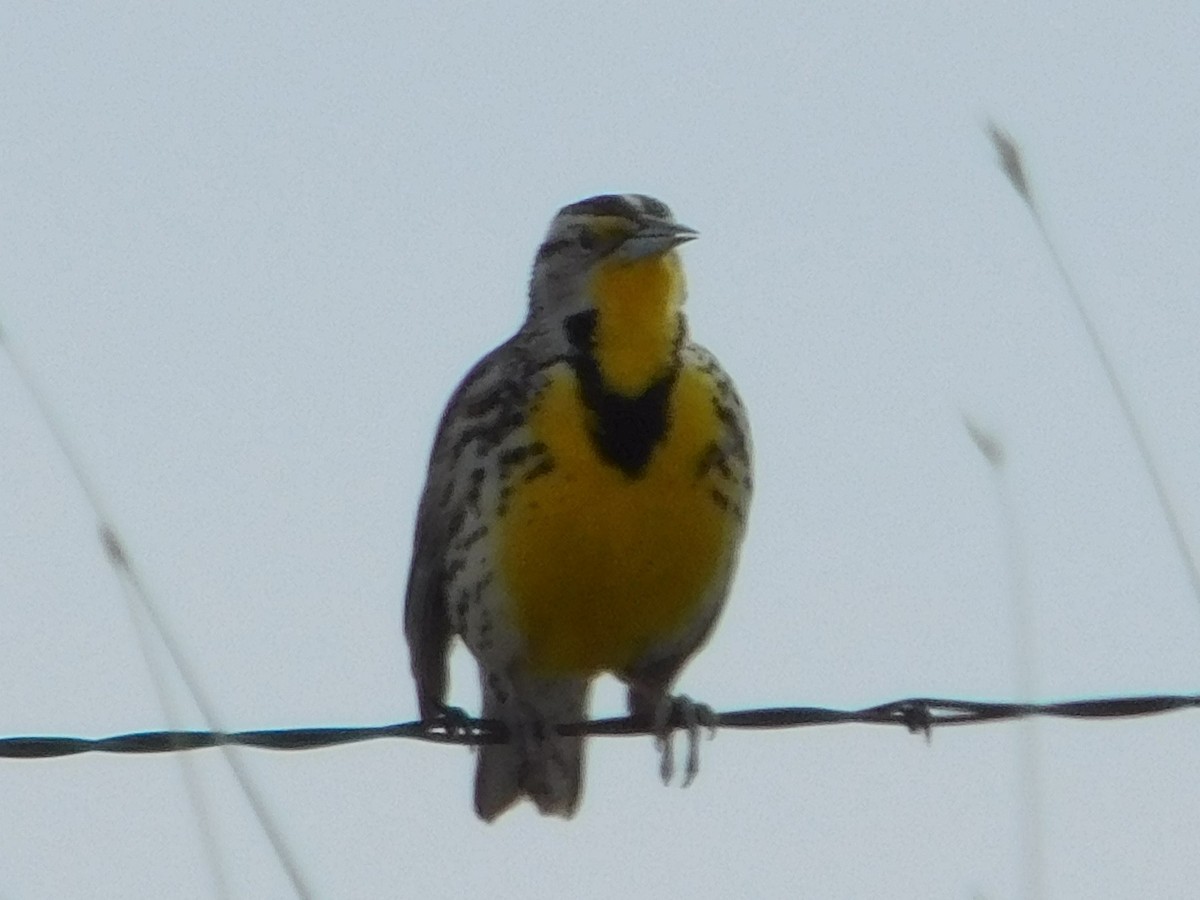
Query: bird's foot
{"x": 681, "y": 712}
{"x": 451, "y": 722}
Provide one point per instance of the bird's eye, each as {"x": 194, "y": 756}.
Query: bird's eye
{"x": 587, "y": 240}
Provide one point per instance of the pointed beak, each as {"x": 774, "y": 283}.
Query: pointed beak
{"x": 655, "y": 237}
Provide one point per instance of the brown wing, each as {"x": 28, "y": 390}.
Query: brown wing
{"x": 483, "y": 409}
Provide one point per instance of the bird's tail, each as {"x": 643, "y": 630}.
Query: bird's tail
{"x": 536, "y": 762}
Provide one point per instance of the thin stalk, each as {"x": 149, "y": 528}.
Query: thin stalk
{"x": 140, "y": 599}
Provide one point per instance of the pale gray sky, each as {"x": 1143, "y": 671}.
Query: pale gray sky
{"x": 250, "y": 250}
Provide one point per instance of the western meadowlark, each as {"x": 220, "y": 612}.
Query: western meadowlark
{"x": 585, "y": 502}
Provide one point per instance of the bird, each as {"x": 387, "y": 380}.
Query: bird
{"x": 584, "y": 506}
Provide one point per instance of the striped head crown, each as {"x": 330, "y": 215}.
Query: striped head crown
{"x": 608, "y": 227}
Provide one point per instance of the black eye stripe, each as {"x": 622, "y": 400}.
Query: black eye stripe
{"x": 584, "y": 238}
{"x": 551, "y": 247}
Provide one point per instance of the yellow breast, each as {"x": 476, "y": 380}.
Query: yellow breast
{"x": 635, "y": 333}
{"x": 598, "y": 565}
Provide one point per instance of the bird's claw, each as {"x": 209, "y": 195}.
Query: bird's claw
{"x": 449, "y": 721}
{"x": 683, "y": 712}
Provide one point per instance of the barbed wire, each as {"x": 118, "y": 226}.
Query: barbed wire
{"x": 917, "y": 714}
